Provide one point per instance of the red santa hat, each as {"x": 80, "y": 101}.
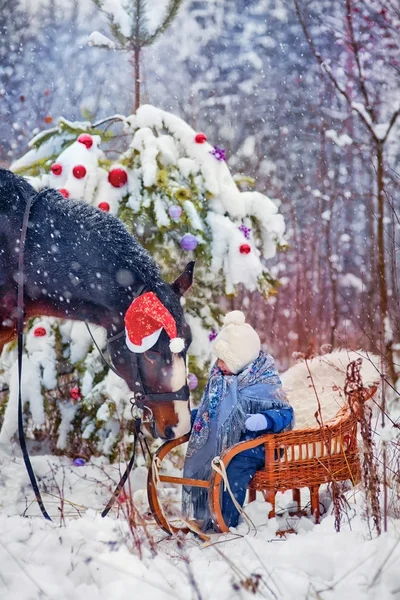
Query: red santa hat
{"x": 144, "y": 321}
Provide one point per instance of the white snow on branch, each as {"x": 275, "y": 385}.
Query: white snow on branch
{"x": 350, "y": 280}
{"x": 119, "y": 15}
{"x": 361, "y": 110}
{"x": 98, "y": 39}
{"x": 340, "y": 140}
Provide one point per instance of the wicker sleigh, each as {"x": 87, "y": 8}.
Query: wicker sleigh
{"x": 307, "y": 458}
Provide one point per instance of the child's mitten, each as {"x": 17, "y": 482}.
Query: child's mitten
{"x": 256, "y": 422}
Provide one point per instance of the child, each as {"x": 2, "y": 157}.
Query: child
{"x": 242, "y": 400}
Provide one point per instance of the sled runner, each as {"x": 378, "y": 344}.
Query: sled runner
{"x": 307, "y": 458}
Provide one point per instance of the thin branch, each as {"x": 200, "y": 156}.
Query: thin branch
{"x": 354, "y": 44}
{"x": 324, "y": 66}
{"x": 391, "y": 124}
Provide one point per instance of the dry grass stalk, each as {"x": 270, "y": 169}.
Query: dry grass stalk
{"x": 357, "y": 396}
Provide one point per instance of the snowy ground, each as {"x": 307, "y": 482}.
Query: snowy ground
{"x": 82, "y": 556}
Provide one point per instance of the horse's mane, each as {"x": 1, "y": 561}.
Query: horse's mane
{"x": 110, "y": 231}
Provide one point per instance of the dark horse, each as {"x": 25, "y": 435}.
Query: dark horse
{"x": 81, "y": 263}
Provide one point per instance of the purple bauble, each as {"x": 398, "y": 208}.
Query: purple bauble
{"x": 193, "y": 382}
{"x": 79, "y": 462}
{"x": 189, "y": 242}
{"x": 198, "y": 426}
{"x": 175, "y": 211}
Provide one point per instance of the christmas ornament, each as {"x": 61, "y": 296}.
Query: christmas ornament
{"x": 122, "y": 497}
{"x": 145, "y": 319}
{"x": 212, "y": 335}
{"x": 79, "y": 461}
{"x": 104, "y": 206}
{"x": 200, "y": 138}
{"x": 117, "y": 177}
{"x": 56, "y": 169}
{"x": 189, "y": 242}
{"x": 79, "y": 171}
{"x": 39, "y": 332}
{"x": 244, "y": 249}
{"x": 193, "y": 382}
{"x": 86, "y": 140}
{"x": 219, "y": 153}
{"x": 64, "y": 192}
{"x": 174, "y": 211}
{"x": 245, "y": 230}
{"x": 48, "y": 119}
{"x": 198, "y": 426}
{"x": 75, "y": 393}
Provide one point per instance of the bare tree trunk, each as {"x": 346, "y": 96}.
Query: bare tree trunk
{"x": 383, "y": 292}
{"x": 136, "y": 64}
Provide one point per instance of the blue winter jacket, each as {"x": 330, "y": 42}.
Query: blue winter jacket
{"x": 281, "y": 419}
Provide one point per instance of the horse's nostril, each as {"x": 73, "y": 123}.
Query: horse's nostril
{"x": 169, "y": 433}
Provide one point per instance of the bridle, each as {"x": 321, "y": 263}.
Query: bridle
{"x": 141, "y": 412}
{"x": 139, "y": 400}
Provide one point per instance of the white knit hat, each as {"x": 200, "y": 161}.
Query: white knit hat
{"x": 238, "y": 343}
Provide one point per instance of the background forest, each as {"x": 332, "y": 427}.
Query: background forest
{"x": 304, "y": 97}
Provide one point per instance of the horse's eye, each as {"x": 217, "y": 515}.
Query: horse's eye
{"x": 152, "y": 355}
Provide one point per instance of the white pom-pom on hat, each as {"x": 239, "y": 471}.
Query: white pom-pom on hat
{"x": 176, "y": 345}
{"x": 235, "y": 317}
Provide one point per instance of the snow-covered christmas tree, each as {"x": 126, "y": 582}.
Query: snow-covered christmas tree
{"x": 174, "y": 192}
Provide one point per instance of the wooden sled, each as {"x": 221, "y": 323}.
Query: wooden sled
{"x": 307, "y": 458}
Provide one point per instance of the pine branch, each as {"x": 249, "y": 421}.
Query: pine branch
{"x": 171, "y": 12}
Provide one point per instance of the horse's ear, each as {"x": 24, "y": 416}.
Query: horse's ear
{"x": 185, "y": 280}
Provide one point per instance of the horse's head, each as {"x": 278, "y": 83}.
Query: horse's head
{"x": 158, "y": 375}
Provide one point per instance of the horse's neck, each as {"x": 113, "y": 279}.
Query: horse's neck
{"x": 107, "y": 311}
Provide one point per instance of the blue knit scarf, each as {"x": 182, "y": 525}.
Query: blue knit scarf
{"x": 220, "y": 422}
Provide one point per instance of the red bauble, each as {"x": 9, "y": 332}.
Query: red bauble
{"x": 39, "y": 332}
{"x": 79, "y": 171}
{"x": 104, "y": 206}
{"x": 86, "y": 140}
{"x": 64, "y": 192}
{"x": 200, "y": 138}
{"x": 117, "y": 177}
{"x": 75, "y": 393}
{"x": 56, "y": 169}
{"x": 244, "y": 249}
{"x": 122, "y": 498}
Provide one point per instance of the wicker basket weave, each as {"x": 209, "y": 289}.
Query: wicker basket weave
{"x": 311, "y": 456}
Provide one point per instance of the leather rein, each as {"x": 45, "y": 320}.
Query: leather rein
{"x": 138, "y": 402}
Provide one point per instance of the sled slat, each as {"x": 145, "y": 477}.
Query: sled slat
{"x": 184, "y": 481}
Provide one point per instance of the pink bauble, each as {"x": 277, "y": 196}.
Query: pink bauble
{"x": 174, "y": 211}
{"x": 117, "y": 177}
{"x": 79, "y": 171}
{"x": 197, "y": 426}
{"x": 104, "y": 206}
{"x": 193, "y": 382}
{"x": 75, "y": 393}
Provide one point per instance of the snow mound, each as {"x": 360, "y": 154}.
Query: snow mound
{"x": 328, "y": 374}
